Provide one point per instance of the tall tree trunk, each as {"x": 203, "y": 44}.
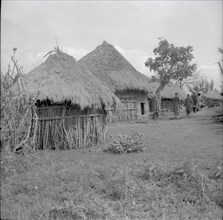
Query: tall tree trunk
{"x": 158, "y": 91}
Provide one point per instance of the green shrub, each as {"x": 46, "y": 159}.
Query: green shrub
{"x": 127, "y": 144}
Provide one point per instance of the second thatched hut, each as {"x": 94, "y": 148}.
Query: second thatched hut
{"x": 108, "y": 65}
{"x": 212, "y": 98}
{"x": 167, "y": 95}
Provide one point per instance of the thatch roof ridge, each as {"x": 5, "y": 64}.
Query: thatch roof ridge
{"x": 60, "y": 78}
{"x": 111, "y": 67}
{"x": 169, "y": 90}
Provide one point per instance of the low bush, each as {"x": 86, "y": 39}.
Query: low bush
{"x": 127, "y": 144}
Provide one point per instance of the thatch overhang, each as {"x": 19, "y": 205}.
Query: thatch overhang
{"x": 214, "y": 94}
{"x": 168, "y": 92}
{"x": 111, "y": 67}
{"x": 60, "y": 78}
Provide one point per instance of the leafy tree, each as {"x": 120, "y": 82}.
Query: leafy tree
{"x": 171, "y": 63}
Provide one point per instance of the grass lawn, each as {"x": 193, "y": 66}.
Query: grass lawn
{"x": 178, "y": 176}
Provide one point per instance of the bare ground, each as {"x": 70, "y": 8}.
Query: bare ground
{"x": 197, "y": 139}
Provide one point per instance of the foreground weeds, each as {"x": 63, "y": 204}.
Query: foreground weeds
{"x": 36, "y": 186}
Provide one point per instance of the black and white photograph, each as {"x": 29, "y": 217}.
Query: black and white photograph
{"x": 111, "y": 110}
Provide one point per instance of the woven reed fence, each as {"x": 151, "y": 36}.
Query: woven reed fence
{"x": 128, "y": 111}
{"x": 64, "y": 128}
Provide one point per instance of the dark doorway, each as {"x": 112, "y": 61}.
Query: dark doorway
{"x": 150, "y": 104}
{"x": 142, "y": 108}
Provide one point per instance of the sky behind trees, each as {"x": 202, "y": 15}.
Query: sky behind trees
{"x": 132, "y": 27}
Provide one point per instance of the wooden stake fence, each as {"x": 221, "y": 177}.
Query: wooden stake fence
{"x": 128, "y": 111}
{"x": 62, "y": 128}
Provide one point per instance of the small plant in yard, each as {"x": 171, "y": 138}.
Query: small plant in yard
{"x": 127, "y": 144}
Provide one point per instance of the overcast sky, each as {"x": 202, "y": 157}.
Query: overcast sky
{"x": 133, "y": 27}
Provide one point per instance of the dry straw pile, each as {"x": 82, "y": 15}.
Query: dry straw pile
{"x": 16, "y": 110}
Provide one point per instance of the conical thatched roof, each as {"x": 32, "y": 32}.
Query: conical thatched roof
{"x": 169, "y": 91}
{"x": 107, "y": 64}
{"x": 214, "y": 94}
{"x": 60, "y": 78}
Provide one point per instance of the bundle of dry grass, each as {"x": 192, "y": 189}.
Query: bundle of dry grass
{"x": 16, "y": 117}
{"x": 113, "y": 69}
{"x": 16, "y": 111}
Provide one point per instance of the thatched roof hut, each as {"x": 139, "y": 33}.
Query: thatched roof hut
{"x": 169, "y": 91}
{"x": 167, "y": 95}
{"x": 61, "y": 79}
{"x": 113, "y": 69}
{"x": 212, "y": 98}
{"x": 70, "y": 108}
{"x": 131, "y": 86}
{"x": 213, "y": 94}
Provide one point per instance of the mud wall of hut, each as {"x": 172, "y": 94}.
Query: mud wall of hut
{"x": 67, "y": 127}
{"x": 166, "y": 104}
{"x": 133, "y": 106}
